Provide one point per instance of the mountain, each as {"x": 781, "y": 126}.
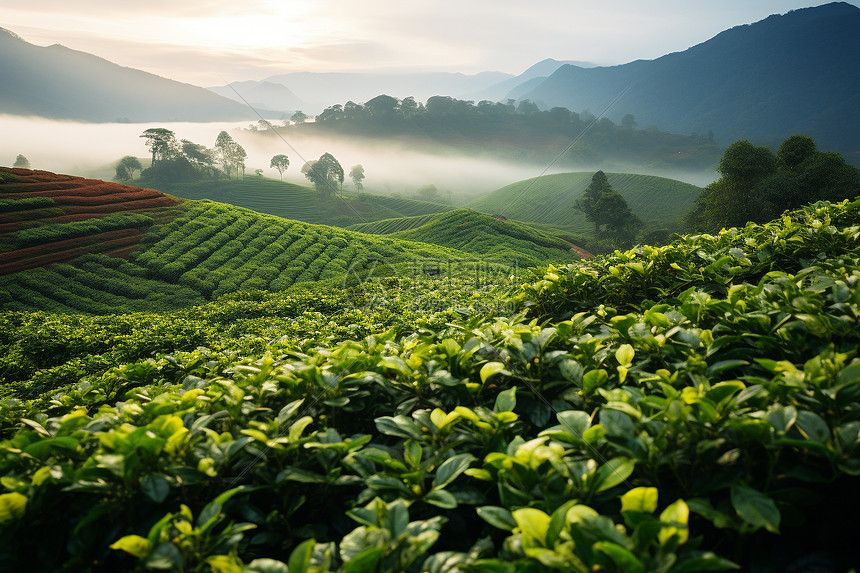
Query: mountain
{"x": 320, "y": 90}
{"x": 265, "y": 95}
{"x": 533, "y": 76}
{"x": 794, "y": 73}
{"x": 60, "y": 83}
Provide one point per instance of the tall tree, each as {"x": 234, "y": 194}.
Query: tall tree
{"x": 325, "y": 173}
{"x": 230, "y": 154}
{"x": 161, "y": 143}
{"x": 280, "y": 162}
{"x": 588, "y": 202}
{"x": 21, "y": 162}
{"x": 356, "y": 173}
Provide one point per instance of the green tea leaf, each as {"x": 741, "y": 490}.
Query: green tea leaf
{"x": 499, "y": 517}
{"x": 133, "y": 544}
{"x": 490, "y": 369}
{"x": 640, "y": 499}
{"x": 755, "y": 508}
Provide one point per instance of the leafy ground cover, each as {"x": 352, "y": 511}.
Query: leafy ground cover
{"x": 658, "y": 201}
{"x": 694, "y": 407}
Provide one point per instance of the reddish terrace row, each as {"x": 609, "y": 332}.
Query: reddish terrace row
{"x": 75, "y": 199}
{"x": 41, "y": 255}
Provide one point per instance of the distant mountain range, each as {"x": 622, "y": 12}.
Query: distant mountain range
{"x": 795, "y": 73}
{"x": 60, "y": 83}
{"x": 312, "y": 92}
{"x": 792, "y": 73}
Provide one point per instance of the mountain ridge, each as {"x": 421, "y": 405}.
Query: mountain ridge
{"x": 58, "y": 82}
{"x": 759, "y": 81}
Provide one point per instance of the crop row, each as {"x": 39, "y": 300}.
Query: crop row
{"x": 388, "y": 226}
{"x": 216, "y": 249}
{"x": 60, "y": 232}
{"x": 10, "y": 205}
{"x": 44, "y": 254}
{"x": 94, "y": 284}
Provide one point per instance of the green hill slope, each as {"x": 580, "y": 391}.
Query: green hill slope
{"x": 488, "y": 236}
{"x": 658, "y": 201}
{"x": 301, "y": 203}
{"x": 178, "y": 254}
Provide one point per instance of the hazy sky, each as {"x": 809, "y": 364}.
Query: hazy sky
{"x": 209, "y": 41}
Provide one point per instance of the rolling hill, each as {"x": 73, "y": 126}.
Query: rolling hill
{"x": 548, "y": 200}
{"x": 477, "y": 233}
{"x": 75, "y": 245}
{"x": 59, "y": 83}
{"x": 302, "y": 203}
{"x": 795, "y": 73}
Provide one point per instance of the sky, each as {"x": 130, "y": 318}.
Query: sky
{"x": 208, "y": 42}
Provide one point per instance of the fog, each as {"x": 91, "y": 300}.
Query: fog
{"x": 92, "y": 150}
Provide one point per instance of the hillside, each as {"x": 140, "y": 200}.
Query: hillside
{"x": 548, "y": 200}
{"x": 485, "y": 235}
{"x": 301, "y": 203}
{"x": 692, "y": 407}
{"x": 75, "y": 245}
{"x": 60, "y": 83}
{"x": 795, "y": 73}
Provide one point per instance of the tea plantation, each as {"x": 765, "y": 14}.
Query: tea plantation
{"x": 691, "y": 407}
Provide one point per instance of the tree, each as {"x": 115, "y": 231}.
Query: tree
{"x": 356, "y": 173}
{"x": 795, "y": 150}
{"x": 325, "y": 173}
{"x": 299, "y": 117}
{"x": 126, "y": 167}
{"x": 628, "y": 121}
{"x": 200, "y": 156}
{"x": 230, "y": 154}
{"x": 161, "y": 143}
{"x": 607, "y": 209}
{"x": 758, "y": 186}
{"x": 588, "y": 202}
{"x": 280, "y": 162}
{"x": 21, "y": 162}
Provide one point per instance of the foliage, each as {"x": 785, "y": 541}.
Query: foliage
{"x": 521, "y": 132}
{"x": 680, "y": 408}
{"x": 325, "y": 173}
{"x": 126, "y": 167}
{"x": 280, "y": 162}
{"x": 608, "y": 211}
{"x": 757, "y": 185}
{"x": 230, "y": 154}
{"x": 356, "y": 173}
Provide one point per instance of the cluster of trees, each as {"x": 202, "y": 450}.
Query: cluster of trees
{"x": 615, "y": 225}
{"x": 758, "y": 185}
{"x": 174, "y": 159}
{"x": 517, "y": 128}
